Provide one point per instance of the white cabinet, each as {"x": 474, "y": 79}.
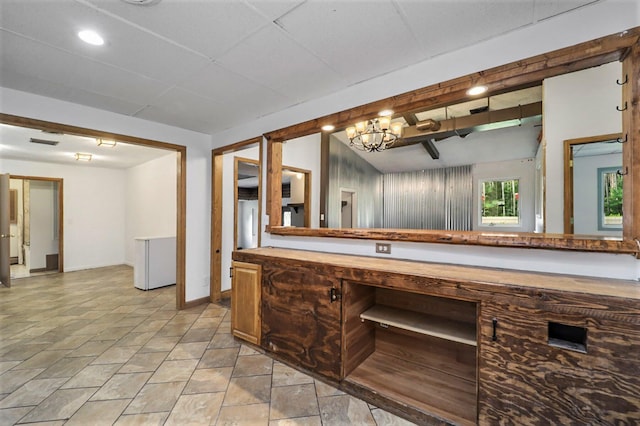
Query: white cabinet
{"x": 155, "y": 262}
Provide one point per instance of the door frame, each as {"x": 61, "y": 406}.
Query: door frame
{"x": 181, "y": 179}
{"x": 215, "y": 283}
{"x": 60, "y": 182}
{"x": 568, "y": 173}
{"x": 236, "y": 166}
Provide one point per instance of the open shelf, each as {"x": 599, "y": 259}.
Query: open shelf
{"x": 421, "y": 323}
{"x": 440, "y": 393}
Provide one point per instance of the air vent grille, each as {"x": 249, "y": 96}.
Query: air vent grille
{"x": 44, "y": 141}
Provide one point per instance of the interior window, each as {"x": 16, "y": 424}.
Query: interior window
{"x": 609, "y": 198}
{"x": 499, "y": 202}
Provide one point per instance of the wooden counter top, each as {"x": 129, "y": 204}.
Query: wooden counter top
{"x": 492, "y": 277}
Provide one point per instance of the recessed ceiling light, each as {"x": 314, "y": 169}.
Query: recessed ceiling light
{"x": 477, "y": 90}
{"x": 106, "y": 142}
{"x": 385, "y": 113}
{"x": 91, "y": 37}
{"x": 82, "y": 157}
{"x": 328, "y": 127}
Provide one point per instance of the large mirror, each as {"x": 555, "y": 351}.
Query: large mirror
{"x": 493, "y": 163}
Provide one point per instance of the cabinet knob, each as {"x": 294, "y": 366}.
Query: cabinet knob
{"x": 494, "y": 336}
{"x": 334, "y": 295}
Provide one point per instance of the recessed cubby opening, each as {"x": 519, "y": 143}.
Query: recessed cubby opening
{"x": 568, "y": 337}
{"x": 412, "y": 348}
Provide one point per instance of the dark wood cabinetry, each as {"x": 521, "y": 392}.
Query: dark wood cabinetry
{"x": 447, "y": 344}
{"x": 300, "y": 321}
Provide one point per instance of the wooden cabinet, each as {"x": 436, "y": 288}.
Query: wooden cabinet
{"x": 546, "y": 366}
{"x": 447, "y": 344}
{"x": 245, "y": 301}
{"x": 300, "y": 318}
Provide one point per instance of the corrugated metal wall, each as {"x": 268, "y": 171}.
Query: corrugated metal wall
{"x": 348, "y": 170}
{"x": 429, "y": 199}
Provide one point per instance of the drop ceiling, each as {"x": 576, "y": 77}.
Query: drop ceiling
{"x": 211, "y": 65}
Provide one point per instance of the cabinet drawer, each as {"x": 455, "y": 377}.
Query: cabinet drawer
{"x": 532, "y": 373}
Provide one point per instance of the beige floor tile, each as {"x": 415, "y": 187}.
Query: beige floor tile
{"x": 149, "y": 419}
{"x": 98, "y": 413}
{"x": 156, "y": 397}
{"x": 214, "y": 358}
{"x": 174, "y": 371}
{"x": 207, "y": 323}
{"x": 42, "y": 359}
{"x": 200, "y": 409}
{"x": 116, "y": 355}
{"x": 293, "y": 401}
{"x": 198, "y": 335}
{"x": 10, "y": 416}
{"x": 92, "y": 348}
{"x": 149, "y": 326}
{"x": 245, "y": 415}
{"x": 21, "y": 351}
{"x": 13, "y": 379}
{"x": 31, "y": 393}
{"x": 65, "y": 367}
{"x": 323, "y": 389}
{"x": 385, "y": 418}
{"x": 92, "y": 376}
{"x": 253, "y": 365}
{"x": 160, "y": 344}
{"x": 246, "y": 350}
{"x": 284, "y": 375}
{"x": 188, "y": 351}
{"x": 344, "y": 409}
{"x": 209, "y": 380}
{"x": 60, "y": 405}
{"x": 112, "y": 333}
{"x": 70, "y": 342}
{"x": 141, "y": 362}
{"x": 223, "y": 340}
{"x": 122, "y": 386}
{"x": 248, "y": 390}
{"x": 135, "y": 339}
{"x": 298, "y": 421}
{"x": 8, "y": 365}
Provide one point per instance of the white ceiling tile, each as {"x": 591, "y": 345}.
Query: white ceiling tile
{"x": 271, "y": 59}
{"x": 58, "y": 22}
{"x": 547, "y": 8}
{"x": 445, "y": 26}
{"x": 23, "y": 82}
{"x": 274, "y": 9}
{"x": 34, "y": 59}
{"x": 359, "y": 39}
{"x": 208, "y": 27}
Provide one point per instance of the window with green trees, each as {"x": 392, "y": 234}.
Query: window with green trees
{"x": 609, "y": 198}
{"x": 500, "y": 204}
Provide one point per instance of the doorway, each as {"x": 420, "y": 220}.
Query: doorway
{"x": 348, "y": 200}
{"x": 584, "y": 212}
{"x": 36, "y": 228}
{"x": 181, "y": 179}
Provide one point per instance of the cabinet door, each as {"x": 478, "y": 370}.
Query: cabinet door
{"x": 245, "y": 301}
{"x": 300, "y": 321}
{"x": 527, "y": 377}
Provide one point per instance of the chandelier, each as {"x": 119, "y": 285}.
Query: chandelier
{"x": 377, "y": 134}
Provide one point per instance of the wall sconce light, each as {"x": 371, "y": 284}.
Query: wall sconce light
{"x": 83, "y": 157}
{"x": 106, "y": 142}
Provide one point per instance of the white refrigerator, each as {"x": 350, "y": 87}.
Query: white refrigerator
{"x": 155, "y": 262}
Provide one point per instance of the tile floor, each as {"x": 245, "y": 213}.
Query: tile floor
{"x": 87, "y": 348}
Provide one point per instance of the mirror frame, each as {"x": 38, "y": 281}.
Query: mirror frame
{"x": 623, "y": 46}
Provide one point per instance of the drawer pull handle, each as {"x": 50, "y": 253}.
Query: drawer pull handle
{"x": 494, "y": 336}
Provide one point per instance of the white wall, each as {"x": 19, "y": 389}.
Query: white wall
{"x": 304, "y": 153}
{"x": 150, "y": 208}
{"x": 43, "y": 241}
{"x": 94, "y": 219}
{"x": 585, "y": 193}
{"x": 583, "y": 24}
{"x": 576, "y": 105}
{"x": 198, "y": 169}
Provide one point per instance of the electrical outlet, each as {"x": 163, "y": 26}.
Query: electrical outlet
{"x": 383, "y": 248}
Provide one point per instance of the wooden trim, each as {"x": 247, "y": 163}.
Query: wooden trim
{"x": 515, "y": 75}
{"x": 215, "y": 279}
{"x": 325, "y": 152}
{"x": 225, "y": 294}
{"x": 181, "y": 180}
{"x": 196, "y": 302}
{"x": 60, "y": 183}
{"x": 235, "y": 196}
{"x": 568, "y": 173}
{"x": 476, "y": 238}
{"x": 307, "y": 192}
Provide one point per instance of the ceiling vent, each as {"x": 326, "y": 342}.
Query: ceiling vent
{"x": 142, "y": 2}
{"x": 44, "y": 141}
